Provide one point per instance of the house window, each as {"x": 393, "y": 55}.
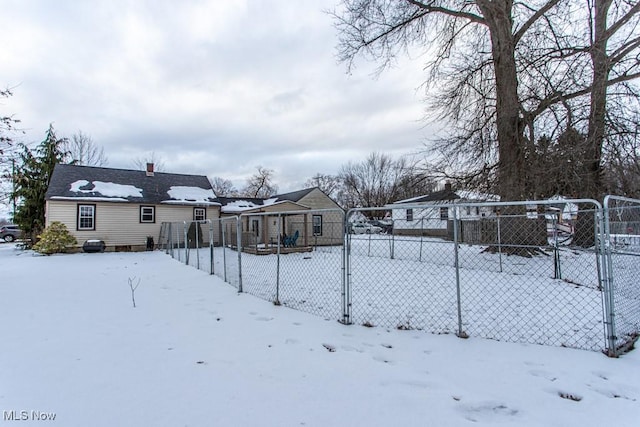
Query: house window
{"x": 147, "y": 214}
{"x": 316, "y": 220}
{"x": 469, "y": 210}
{"x": 409, "y": 214}
{"x": 199, "y": 214}
{"x": 86, "y": 217}
{"x": 444, "y": 214}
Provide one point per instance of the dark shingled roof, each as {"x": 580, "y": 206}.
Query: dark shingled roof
{"x": 294, "y": 196}
{"x": 154, "y": 188}
{"x": 438, "y": 196}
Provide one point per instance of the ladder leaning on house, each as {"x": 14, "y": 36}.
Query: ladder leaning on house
{"x": 164, "y": 237}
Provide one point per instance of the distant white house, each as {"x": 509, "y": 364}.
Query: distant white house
{"x": 430, "y": 214}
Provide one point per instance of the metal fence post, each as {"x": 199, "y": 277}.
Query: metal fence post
{"x": 278, "y": 231}
{"x": 224, "y": 253}
{"x": 186, "y": 249}
{"x": 239, "y": 243}
{"x": 196, "y": 225}
{"x": 178, "y": 242}
{"x": 460, "y": 333}
{"x": 211, "y": 263}
{"x": 607, "y": 276}
{"x": 557, "y": 274}
{"x": 346, "y": 268}
{"x": 421, "y": 234}
{"x": 499, "y": 242}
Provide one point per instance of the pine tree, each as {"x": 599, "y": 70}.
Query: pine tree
{"x": 32, "y": 178}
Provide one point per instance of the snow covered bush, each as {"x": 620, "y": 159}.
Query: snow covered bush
{"x": 55, "y": 239}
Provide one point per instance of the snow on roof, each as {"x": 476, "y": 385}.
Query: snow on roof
{"x": 238, "y": 206}
{"x": 409, "y": 200}
{"x": 479, "y": 197}
{"x": 106, "y": 189}
{"x": 464, "y": 196}
{"x": 91, "y": 199}
{"x": 181, "y": 193}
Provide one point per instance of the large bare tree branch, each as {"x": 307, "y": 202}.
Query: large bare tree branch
{"x": 533, "y": 19}
{"x": 431, "y": 8}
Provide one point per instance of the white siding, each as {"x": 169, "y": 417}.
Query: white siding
{"x": 423, "y": 219}
{"x": 119, "y": 223}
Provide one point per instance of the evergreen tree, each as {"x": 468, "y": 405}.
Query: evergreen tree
{"x": 32, "y": 178}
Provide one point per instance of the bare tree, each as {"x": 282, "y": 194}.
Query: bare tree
{"x": 8, "y": 152}
{"x": 140, "y": 163}
{"x": 222, "y": 187}
{"x": 7, "y": 126}
{"x": 83, "y": 151}
{"x": 505, "y": 71}
{"x": 260, "y": 184}
{"x": 379, "y": 180}
{"x": 329, "y": 184}
{"x": 615, "y": 56}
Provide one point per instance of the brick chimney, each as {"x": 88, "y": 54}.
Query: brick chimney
{"x": 149, "y": 169}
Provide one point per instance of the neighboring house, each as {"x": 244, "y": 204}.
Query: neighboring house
{"x": 430, "y": 215}
{"x": 124, "y": 207}
{"x": 325, "y": 228}
{"x": 259, "y": 217}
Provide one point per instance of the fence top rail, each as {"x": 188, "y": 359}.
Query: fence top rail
{"x": 295, "y": 212}
{"x": 458, "y": 203}
{"x": 620, "y": 199}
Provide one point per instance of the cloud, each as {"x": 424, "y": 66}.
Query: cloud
{"x": 212, "y": 87}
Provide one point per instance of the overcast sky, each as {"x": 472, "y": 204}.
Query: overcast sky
{"x": 213, "y": 87}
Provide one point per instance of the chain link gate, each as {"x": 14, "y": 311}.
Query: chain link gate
{"x": 525, "y": 272}
{"x": 622, "y": 272}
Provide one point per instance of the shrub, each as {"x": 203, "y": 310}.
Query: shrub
{"x": 55, "y": 239}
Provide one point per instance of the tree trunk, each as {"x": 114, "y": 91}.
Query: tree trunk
{"x": 598, "y": 109}
{"x": 524, "y": 234}
{"x": 511, "y": 167}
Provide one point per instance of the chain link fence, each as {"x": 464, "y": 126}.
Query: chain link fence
{"x": 295, "y": 259}
{"x": 622, "y": 270}
{"x": 521, "y": 272}
{"x": 208, "y": 245}
{"x": 559, "y": 272}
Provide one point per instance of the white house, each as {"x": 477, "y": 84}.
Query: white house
{"x": 430, "y": 214}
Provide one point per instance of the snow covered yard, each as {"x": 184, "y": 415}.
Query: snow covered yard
{"x": 195, "y": 353}
{"x": 410, "y": 283}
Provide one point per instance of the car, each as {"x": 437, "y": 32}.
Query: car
{"x": 10, "y": 232}
{"x": 365, "y": 228}
{"x": 385, "y": 225}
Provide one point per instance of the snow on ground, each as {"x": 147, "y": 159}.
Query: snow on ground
{"x": 506, "y": 298}
{"x": 195, "y": 353}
